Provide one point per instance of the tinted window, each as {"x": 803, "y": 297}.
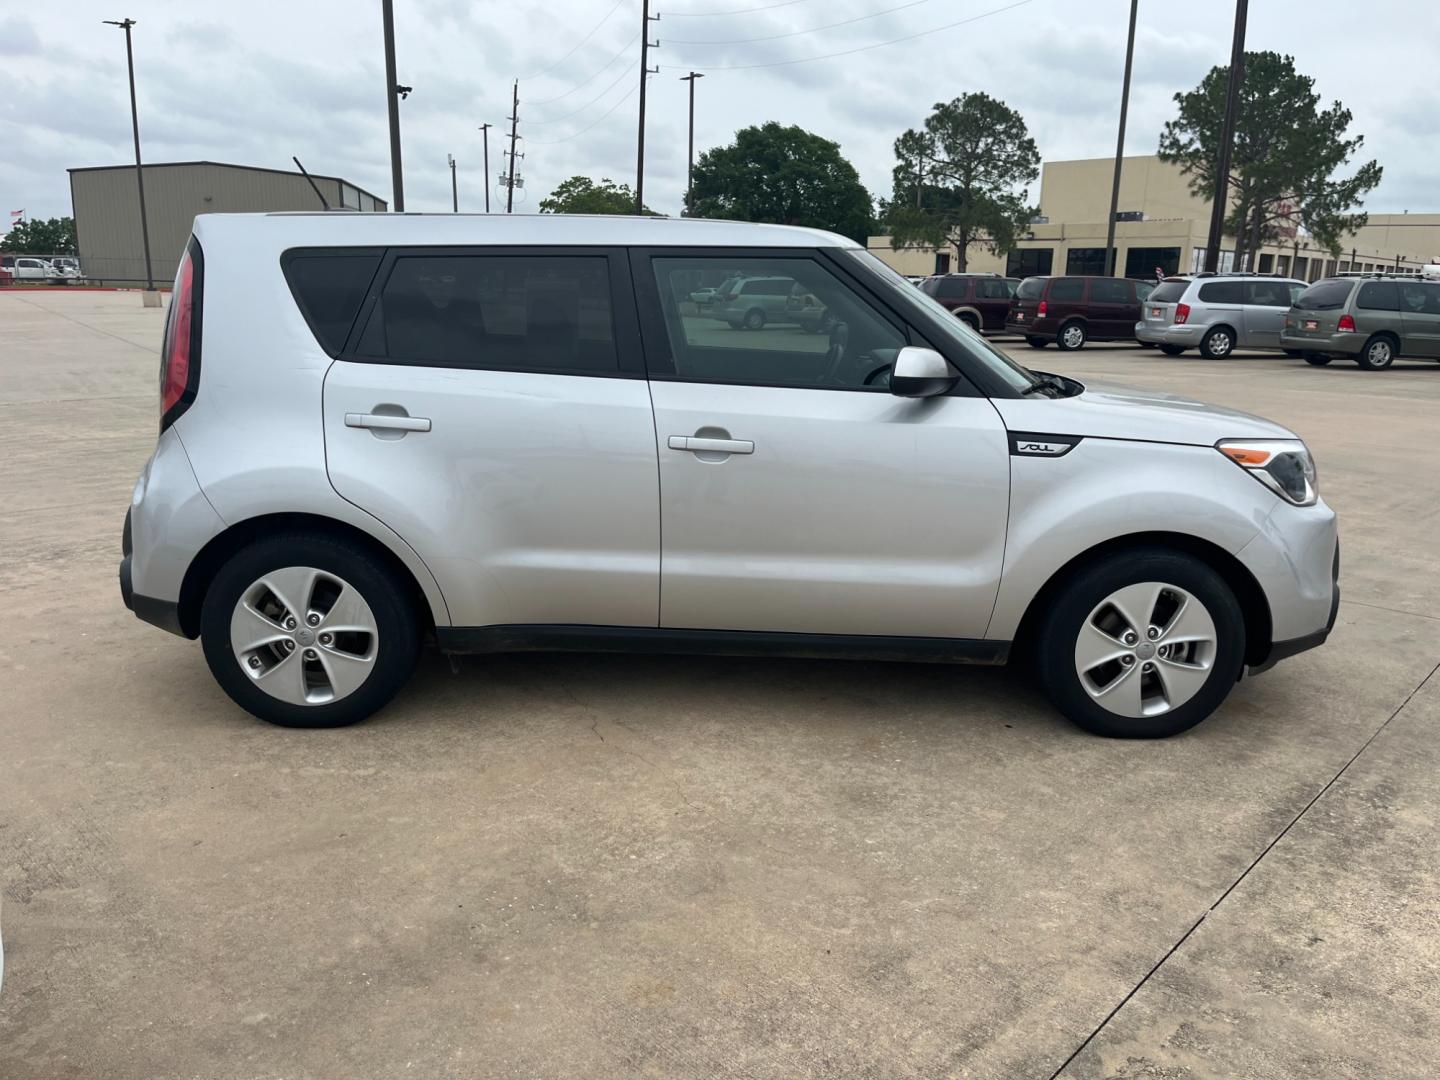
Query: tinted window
{"x": 1267, "y": 293}
{"x": 1222, "y": 292}
{"x": 930, "y": 286}
{"x": 1085, "y": 261}
{"x": 1418, "y": 298}
{"x": 1067, "y": 288}
{"x": 953, "y": 288}
{"x": 1379, "y": 296}
{"x": 1109, "y": 291}
{"x": 1143, "y": 289}
{"x": 1326, "y": 296}
{"x": 329, "y": 290}
{"x": 995, "y": 288}
{"x": 1031, "y": 289}
{"x": 1167, "y": 292}
{"x": 506, "y": 312}
{"x": 842, "y": 342}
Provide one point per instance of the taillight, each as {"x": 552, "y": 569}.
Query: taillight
{"x": 1040, "y": 311}
{"x": 1346, "y": 324}
{"x": 180, "y": 351}
{"x": 1182, "y": 313}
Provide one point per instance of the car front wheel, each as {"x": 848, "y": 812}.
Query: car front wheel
{"x": 1142, "y": 644}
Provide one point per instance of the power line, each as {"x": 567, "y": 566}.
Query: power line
{"x": 810, "y": 30}
{"x": 851, "y": 52}
{"x": 623, "y": 50}
{"x": 555, "y": 142}
{"x": 582, "y": 108}
{"x": 732, "y": 11}
{"x": 582, "y": 41}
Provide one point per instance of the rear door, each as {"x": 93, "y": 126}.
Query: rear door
{"x": 1266, "y": 302}
{"x": 992, "y": 299}
{"x": 1158, "y": 310}
{"x": 490, "y": 407}
{"x": 1420, "y": 318}
{"x": 1112, "y": 308}
{"x": 1315, "y": 312}
{"x": 797, "y": 494}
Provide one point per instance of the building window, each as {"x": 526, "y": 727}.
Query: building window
{"x": 1144, "y": 262}
{"x": 1267, "y": 264}
{"x": 1282, "y": 265}
{"x": 1301, "y": 265}
{"x": 942, "y": 262}
{"x": 1029, "y": 262}
{"x": 1085, "y": 261}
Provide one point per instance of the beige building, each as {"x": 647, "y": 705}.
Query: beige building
{"x": 106, "y": 206}
{"x": 1160, "y": 225}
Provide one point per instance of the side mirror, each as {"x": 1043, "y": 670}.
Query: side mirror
{"x": 920, "y": 373}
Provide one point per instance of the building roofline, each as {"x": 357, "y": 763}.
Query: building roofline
{"x": 229, "y": 165}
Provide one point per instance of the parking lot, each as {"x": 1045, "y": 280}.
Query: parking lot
{"x": 602, "y": 866}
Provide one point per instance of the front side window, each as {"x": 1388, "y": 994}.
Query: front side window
{"x": 1109, "y": 291}
{"x": 840, "y": 341}
{"x": 1067, "y": 289}
{"x": 495, "y": 312}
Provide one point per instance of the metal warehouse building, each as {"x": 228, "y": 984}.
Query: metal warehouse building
{"x": 107, "y": 209}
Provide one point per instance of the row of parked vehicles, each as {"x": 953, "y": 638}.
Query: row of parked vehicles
{"x": 1372, "y": 319}
{"x": 56, "y": 270}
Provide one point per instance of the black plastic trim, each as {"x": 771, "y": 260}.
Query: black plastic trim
{"x": 197, "y": 317}
{"x": 162, "y": 613}
{"x": 1020, "y": 440}
{"x": 648, "y": 639}
{"x": 1283, "y": 650}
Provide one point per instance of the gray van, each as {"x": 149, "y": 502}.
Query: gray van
{"x": 1371, "y": 320}
{"x": 1216, "y": 313}
{"x": 752, "y": 302}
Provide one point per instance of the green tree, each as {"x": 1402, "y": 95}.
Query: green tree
{"x": 1286, "y": 153}
{"x": 54, "y": 236}
{"x": 962, "y": 179}
{"x": 581, "y": 195}
{"x": 783, "y": 175}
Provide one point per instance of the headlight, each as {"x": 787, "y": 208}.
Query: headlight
{"x": 1282, "y": 465}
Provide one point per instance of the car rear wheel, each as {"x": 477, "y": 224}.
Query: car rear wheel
{"x": 1172, "y": 350}
{"x": 754, "y": 319}
{"x": 1315, "y": 359}
{"x": 970, "y": 321}
{"x": 1037, "y": 342}
{"x": 1218, "y": 343}
{"x": 1071, "y": 336}
{"x": 1378, "y": 354}
{"x": 308, "y": 631}
{"x": 1141, "y": 644}
{"x": 1147, "y": 344}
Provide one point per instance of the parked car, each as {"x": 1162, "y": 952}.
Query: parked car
{"x": 31, "y": 268}
{"x": 980, "y": 301}
{"x": 706, "y": 296}
{"x": 752, "y": 302}
{"x": 1073, "y": 310}
{"x": 1370, "y": 320}
{"x": 69, "y": 267}
{"x": 399, "y": 428}
{"x": 1217, "y": 313}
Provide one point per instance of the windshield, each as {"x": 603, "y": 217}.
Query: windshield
{"x": 1015, "y": 375}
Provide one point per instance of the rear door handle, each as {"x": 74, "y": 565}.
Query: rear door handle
{"x": 388, "y": 423}
{"x": 695, "y": 443}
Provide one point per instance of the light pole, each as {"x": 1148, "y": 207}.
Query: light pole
{"x": 393, "y": 93}
{"x": 1120, "y": 145}
{"x": 454, "y": 190}
{"x": 126, "y": 24}
{"x": 485, "y": 134}
{"x": 690, "y": 160}
{"x": 1227, "y": 138}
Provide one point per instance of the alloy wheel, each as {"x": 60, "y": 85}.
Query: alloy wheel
{"x": 1073, "y": 337}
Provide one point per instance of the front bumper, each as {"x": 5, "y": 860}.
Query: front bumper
{"x": 1331, "y": 344}
{"x": 1295, "y": 558}
{"x": 1186, "y": 335}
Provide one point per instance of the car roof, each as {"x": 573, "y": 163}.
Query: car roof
{"x": 324, "y": 228}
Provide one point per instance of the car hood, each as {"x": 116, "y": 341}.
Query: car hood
{"x": 1111, "y": 411}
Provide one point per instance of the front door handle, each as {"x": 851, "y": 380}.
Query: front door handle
{"x": 382, "y": 422}
{"x": 702, "y": 445}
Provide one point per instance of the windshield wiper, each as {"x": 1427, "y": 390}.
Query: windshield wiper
{"x": 1047, "y": 382}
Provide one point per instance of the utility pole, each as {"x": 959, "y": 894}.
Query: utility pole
{"x": 125, "y": 25}
{"x": 1227, "y": 138}
{"x": 393, "y": 93}
{"x": 690, "y": 160}
{"x": 485, "y": 134}
{"x": 1120, "y": 145}
{"x": 454, "y": 190}
{"x": 645, "y": 73}
{"x": 514, "y": 119}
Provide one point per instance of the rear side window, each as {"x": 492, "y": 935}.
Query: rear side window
{"x": 1168, "y": 292}
{"x": 1379, "y": 296}
{"x": 1222, "y": 292}
{"x": 1070, "y": 288}
{"x": 329, "y": 290}
{"x": 1267, "y": 293}
{"x": 1109, "y": 291}
{"x": 1325, "y": 296}
{"x": 1031, "y": 289}
{"x": 954, "y": 288}
{"x": 495, "y": 312}
{"x": 1419, "y": 298}
{"x": 995, "y": 289}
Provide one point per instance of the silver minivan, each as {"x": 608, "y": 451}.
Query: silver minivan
{"x": 1217, "y": 313}
{"x": 503, "y": 433}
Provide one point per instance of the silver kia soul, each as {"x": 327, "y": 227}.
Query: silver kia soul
{"x": 520, "y": 433}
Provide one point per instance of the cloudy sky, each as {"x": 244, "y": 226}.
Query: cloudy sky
{"x": 253, "y": 82}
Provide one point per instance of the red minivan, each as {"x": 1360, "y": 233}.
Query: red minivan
{"x": 1073, "y": 310}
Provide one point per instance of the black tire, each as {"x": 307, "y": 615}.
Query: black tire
{"x": 1075, "y": 331}
{"x": 1378, "y": 353}
{"x": 1315, "y": 359}
{"x": 1295, "y": 353}
{"x": 397, "y": 627}
{"x": 754, "y": 319}
{"x": 1090, "y": 586}
{"x": 1218, "y": 343}
{"x": 1146, "y": 344}
{"x": 1037, "y": 342}
{"x": 1172, "y": 350}
{"x": 970, "y": 321}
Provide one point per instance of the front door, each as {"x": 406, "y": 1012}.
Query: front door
{"x": 796, "y": 493}
{"x": 1113, "y": 312}
{"x": 485, "y": 414}
{"x": 1420, "y": 318}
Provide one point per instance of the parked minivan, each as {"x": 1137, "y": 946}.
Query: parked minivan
{"x": 505, "y": 433}
{"x": 1217, "y": 313}
{"x": 1073, "y": 310}
{"x": 1370, "y": 320}
{"x": 980, "y": 301}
